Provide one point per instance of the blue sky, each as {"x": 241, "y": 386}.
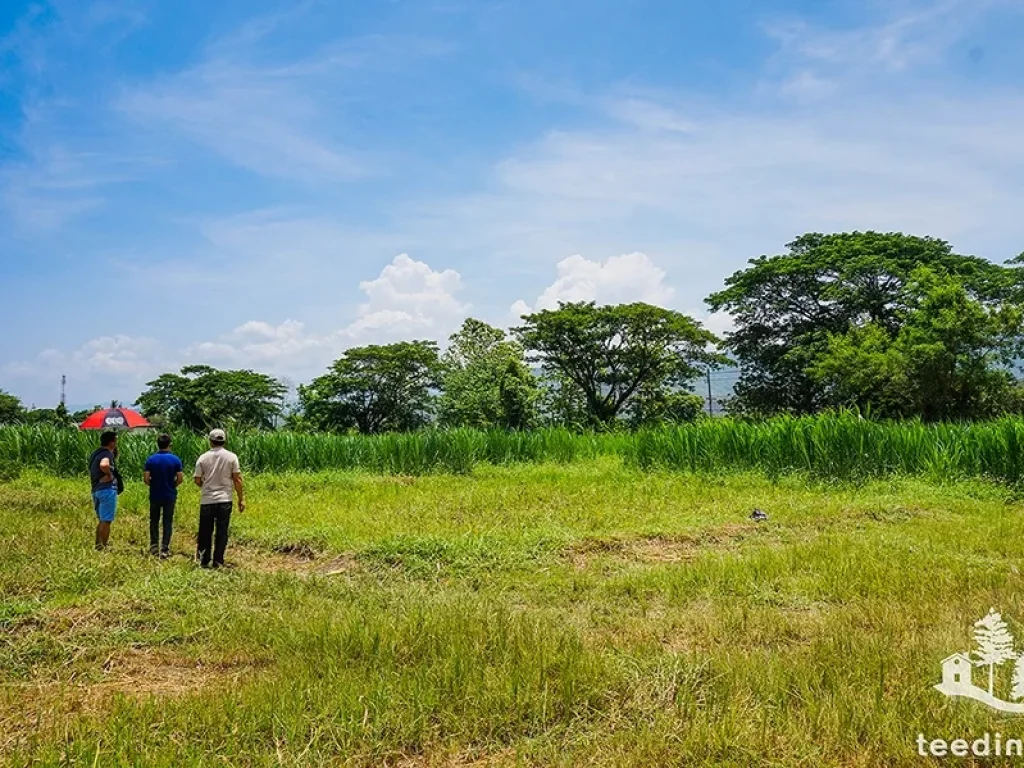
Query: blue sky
{"x": 263, "y": 184}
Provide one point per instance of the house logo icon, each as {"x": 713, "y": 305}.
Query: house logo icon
{"x": 994, "y": 648}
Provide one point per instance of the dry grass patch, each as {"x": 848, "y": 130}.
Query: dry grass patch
{"x": 701, "y": 626}
{"x": 33, "y": 709}
{"x": 143, "y": 671}
{"x": 661, "y": 548}
{"x": 72, "y": 623}
{"x": 397, "y": 479}
{"x": 298, "y": 560}
{"x": 453, "y": 759}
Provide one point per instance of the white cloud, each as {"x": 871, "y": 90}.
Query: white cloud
{"x": 619, "y": 279}
{"x": 289, "y": 118}
{"x": 840, "y": 131}
{"x": 719, "y": 323}
{"x": 257, "y": 119}
{"x": 739, "y": 184}
{"x": 55, "y": 184}
{"x": 108, "y": 366}
{"x": 118, "y": 355}
{"x": 409, "y": 299}
{"x": 812, "y": 60}
{"x": 649, "y": 115}
{"x": 258, "y": 344}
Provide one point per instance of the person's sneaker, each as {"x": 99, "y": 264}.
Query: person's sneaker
{"x": 164, "y": 554}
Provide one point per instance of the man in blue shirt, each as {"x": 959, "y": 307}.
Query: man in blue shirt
{"x": 163, "y": 474}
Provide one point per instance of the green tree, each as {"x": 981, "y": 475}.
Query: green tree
{"x": 11, "y": 409}
{"x": 786, "y": 307}
{"x": 949, "y": 359}
{"x": 58, "y": 417}
{"x": 562, "y": 402}
{"x": 201, "y": 397}
{"x": 862, "y": 369}
{"x": 613, "y": 352}
{"x": 656, "y": 405}
{"x": 377, "y": 388}
{"x": 62, "y": 416}
{"x": 79, "y": 416}
{"x": 485, "y": 380}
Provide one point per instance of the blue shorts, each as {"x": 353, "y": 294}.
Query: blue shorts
{"x": 104, "y": 501}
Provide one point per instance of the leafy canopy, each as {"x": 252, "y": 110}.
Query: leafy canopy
{"x": 11, "y": 409}
{"x": 486, "y": 381}
{"x": 201, "y": 398}
{"x": 611, "y": 353}
{"x": 377, "y": 388}
{"x": 58, "y": 417}
{"x": 949, "y": 358}
{"x": 562, "y": 403}
{"x": 786, "y": 307}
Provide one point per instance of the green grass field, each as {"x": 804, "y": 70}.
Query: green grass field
{"x": 583, "y": 613}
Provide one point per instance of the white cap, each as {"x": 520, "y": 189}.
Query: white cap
{"x": 217, "y": 436}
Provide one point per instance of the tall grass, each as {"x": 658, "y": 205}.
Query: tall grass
{"x": 66, "y": 452}
{"x": 832, "y": 446}
{"x": 837, "y": 446}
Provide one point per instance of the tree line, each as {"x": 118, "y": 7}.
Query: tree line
{"x": 893, "y": 325}
{"x": 13, "y": 411}
{"x": 581, "y": 366}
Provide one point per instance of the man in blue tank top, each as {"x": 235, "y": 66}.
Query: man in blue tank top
{"x": 106, "y": 484}
{"x": 163, "y": 474}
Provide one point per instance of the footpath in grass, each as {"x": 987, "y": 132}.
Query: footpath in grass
{"x": 545, "y": 614}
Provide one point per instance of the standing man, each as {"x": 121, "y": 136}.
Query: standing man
{"x": 163, "y": 474}
{"x": 106, "y": 484}
{"x": 217, "y": 471}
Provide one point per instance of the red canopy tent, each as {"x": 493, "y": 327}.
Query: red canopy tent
{"x": 115, "y": 418}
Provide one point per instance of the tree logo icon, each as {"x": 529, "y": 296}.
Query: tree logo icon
{"x": 994, "y": 648}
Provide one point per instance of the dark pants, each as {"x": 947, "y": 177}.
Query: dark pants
{"x": 213, "y": 516}
{"x": 160, "y": 508}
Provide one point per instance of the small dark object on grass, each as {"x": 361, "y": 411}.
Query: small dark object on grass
{"x": 759, "y": 515}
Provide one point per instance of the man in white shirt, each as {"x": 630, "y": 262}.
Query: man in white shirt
{"x": 217, "y": 472}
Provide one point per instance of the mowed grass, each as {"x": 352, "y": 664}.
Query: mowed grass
{"x": 573, "y": 614}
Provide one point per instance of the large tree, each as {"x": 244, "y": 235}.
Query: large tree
{"x": 486, "y": 381}
{"x": 949, "y": 359}
{"x": 613, "y": 353}
{"x": 786, "y": 307}
{"x": 377, "y": 388}
{"x": 202, "y": 397}
{"x": 11, "y": 409}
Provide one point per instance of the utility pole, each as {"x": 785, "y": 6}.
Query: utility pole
{"x": 711, "y": 403}
{"x": 63, "y": 390}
